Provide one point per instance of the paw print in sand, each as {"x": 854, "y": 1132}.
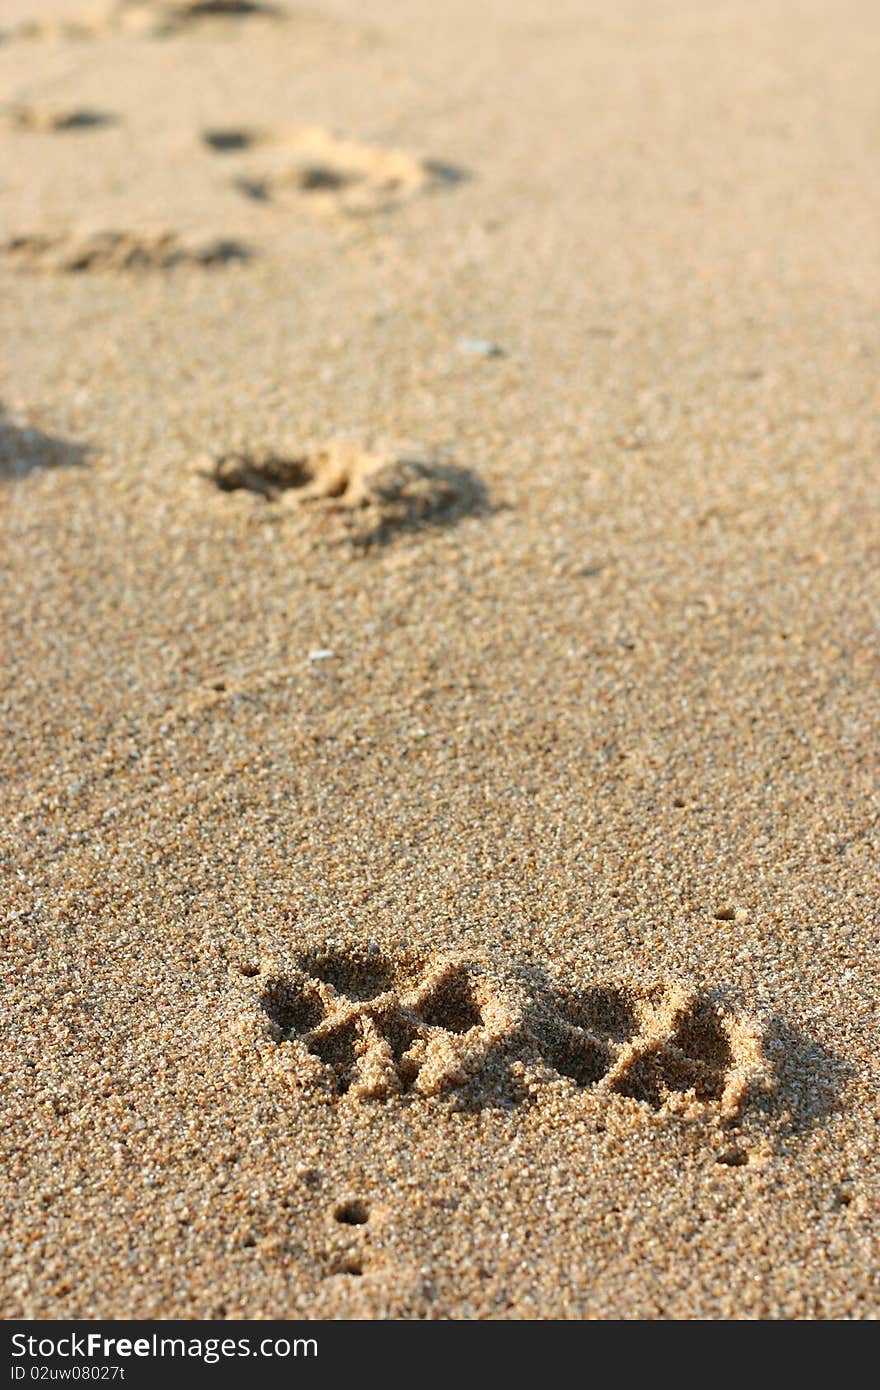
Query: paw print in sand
{"x": 671, "y": 1047}
{"x": 373, "y": 495}
{"x": 137, "y": 250}
{"x": 379, "y": 1031}
{"x": 312, "y": 167}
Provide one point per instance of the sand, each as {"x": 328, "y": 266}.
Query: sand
{"x": 439, "y": 534}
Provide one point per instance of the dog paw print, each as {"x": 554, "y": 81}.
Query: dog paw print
{"x": 377, "y": 1030}
{"x": 313, "y": 167}
{"x": 693, "y": 1050}
{"x": 676, "y": 1048}
{"x": 47, "y": 118}
{"x": 373, "y": 1027}
{"x": 374, "y": 495}
{"x": 73, "y": 253}
{"x": 164, "y": 19}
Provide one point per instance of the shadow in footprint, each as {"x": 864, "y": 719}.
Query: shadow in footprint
{"x": 291, "y": 1008}
{"x": 602, "y": 1010}
{"x": 266, "y": 476}
{"x": 338, "y": 1050}
{"x": 696, "y": 1056}
{"x": 85, "y": 119}
{"x": 50, "y": 120}
{"x": 178, "y": 16}
{"x": 228, "y": 140}
{"x": 809, "y": 1079}
{"x": 24, "y": 451}
{"x": 400, "y": 1029}
{"x": 579, "y": 1030}
{"x": 257, "y": 189}
{"x": 213, "y": 9}
{"x": 452, "y": 1005}
{"x": 354, "y": 975}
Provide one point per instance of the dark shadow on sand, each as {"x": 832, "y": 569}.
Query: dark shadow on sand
{"x": 444, "y": 173}
{"x": 25, "y": 451}
{"x": 86, "y": 118}
{"x": 810, "y": 1079}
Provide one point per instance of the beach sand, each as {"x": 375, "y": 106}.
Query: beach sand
{"x": 439, "y": 537}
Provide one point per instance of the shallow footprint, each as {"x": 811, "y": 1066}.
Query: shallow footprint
{"x": 383, "y": 1026}
{"x": 113, "y": 250}
{"x": 693, "y": 1047}
{"x": 313, "y": 167}
{"x": 148, "y": 19}
{"x": 378, "y": 494}
{"x": 43, "y": 118}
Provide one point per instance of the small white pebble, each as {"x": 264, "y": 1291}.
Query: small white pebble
{"x": 479, "y": 347}
{"x": 321, "y": 654}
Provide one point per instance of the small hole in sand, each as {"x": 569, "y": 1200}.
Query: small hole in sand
{"x": 353, "y": 1212}
{"x": 350, "y": 1266}
{"x": 732, "y": 1158}
{"x": 249, "y": 969}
